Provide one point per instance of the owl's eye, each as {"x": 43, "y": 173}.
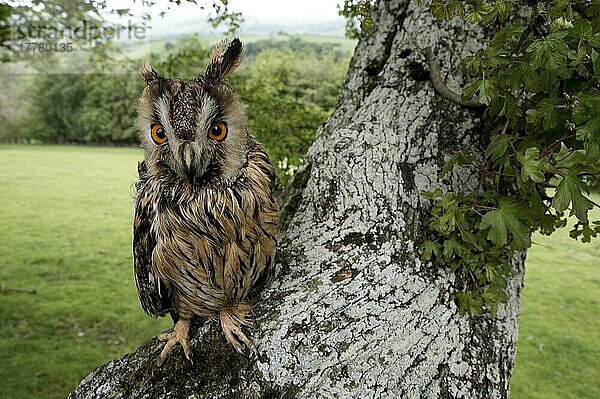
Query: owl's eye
{"x": 218, "y": 131}
{"x": 157, "y": 131}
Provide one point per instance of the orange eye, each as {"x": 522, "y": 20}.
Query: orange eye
{"x": 218, "y": 131}
{"x": 157, "y": 131}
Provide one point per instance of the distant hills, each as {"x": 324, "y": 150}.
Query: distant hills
{"x": 331, "y": 27}
{"x": 168, "y": 28}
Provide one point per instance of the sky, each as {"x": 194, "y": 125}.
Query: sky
{"x": 296, "y": 10}
{"x": 189, "y": 17}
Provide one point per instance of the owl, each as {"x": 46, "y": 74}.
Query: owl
{"x": 205, "y": 223}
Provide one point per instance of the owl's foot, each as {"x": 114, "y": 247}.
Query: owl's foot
{"x": 178, "y": 335}
{"x": 231, "y": 324}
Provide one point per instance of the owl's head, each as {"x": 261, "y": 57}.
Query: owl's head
{"x": 195, "y": 129}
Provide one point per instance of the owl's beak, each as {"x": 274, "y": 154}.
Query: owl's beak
{"x": 187, "y": 159}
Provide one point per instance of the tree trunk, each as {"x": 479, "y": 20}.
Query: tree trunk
{"x": 354, "y": 312}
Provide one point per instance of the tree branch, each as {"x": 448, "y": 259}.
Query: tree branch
{"x": 218, "y": 372}
{"x": 440, "y": 86}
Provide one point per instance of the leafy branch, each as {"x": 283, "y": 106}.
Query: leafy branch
{"x": 539, "y": 78}
{"x": 440, "y": 86}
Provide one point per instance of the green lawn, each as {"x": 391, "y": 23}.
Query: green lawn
{"x": 558, "y": 355}
{"x": 65, "y": 232}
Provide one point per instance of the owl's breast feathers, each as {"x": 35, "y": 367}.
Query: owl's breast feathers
{"x": 199, "y": 249}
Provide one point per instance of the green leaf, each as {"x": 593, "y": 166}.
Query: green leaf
{"x": 549, "y": 52}
{"x": 487, "y": 91}
{"x": 592, "y": 151}
{"x": 497, "y": 147}
{"x": 447, "y": 223}
{"x": 594, "y": 41}
{"x": 531, "y": 167}
{"x": 494, "y": 220}
{"x": 437, "y": 193}
{"x": 582, "y": 28}
{"x": 587, "y": 117}
{"x": 562, "y": 8}
{"x": 490, "y": 298}
{"x": 442, "y": 10}
{"x": 568, "y": 192}
{"x": 470, "y": 90}
{"x": 468, "y": 303}
{"x": 511, "y": 109}
{"x": 577, "y": 56}
{"x": 460, "y": 157}
{"x": 467, "y": 236}
{"x": 544, "y": 111}
{"x": 521, "y": 234}
{"x": 531, "y": 79}
{"x": 428, "y": 249}
{"x": 506, "y": 219}
{"x": 589, "y": 129}
{"x": 536, "y": 205}
{"x": 479, "y": 13}
{"x": 584, "y": 230}
{"x": 596, "y": 62}
{"x": 580, "y": 207}
{"x": 562, "y": 196}
{"x": 451, "y": 247}
{"x": 508, "y": 35}
{"x": 549, "y": 80}
{"x": 495, "y": 107}
{"x": 503, "y": 8}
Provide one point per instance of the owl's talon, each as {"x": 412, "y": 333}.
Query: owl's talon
{"x": 234, "y": 334}
{"x": 187, "y": 351}
{"x": 178, "y": 335}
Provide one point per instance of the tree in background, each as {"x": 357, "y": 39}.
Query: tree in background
{"x": 100, "y": 108}
{"x": 45, "y": 21}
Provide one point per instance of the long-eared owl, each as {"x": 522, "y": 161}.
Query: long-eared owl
{"x": 205, "y": 219}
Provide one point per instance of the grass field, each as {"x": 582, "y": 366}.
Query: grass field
{"x": 65, "y": 233}
{"x": 558, "y": 356}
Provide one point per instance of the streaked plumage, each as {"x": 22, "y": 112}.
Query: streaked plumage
{"x": 205, "y": 220}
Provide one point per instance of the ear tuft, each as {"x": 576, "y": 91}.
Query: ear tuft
{"x": 148, "y": 73}
{"x": 226, "y": 57}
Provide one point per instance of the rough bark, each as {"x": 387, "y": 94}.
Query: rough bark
{"x": 354, "y": 312}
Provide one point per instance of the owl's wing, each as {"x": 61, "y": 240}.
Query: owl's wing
{"x": 262, "y": 174}
{"x": 155, "y": 295}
